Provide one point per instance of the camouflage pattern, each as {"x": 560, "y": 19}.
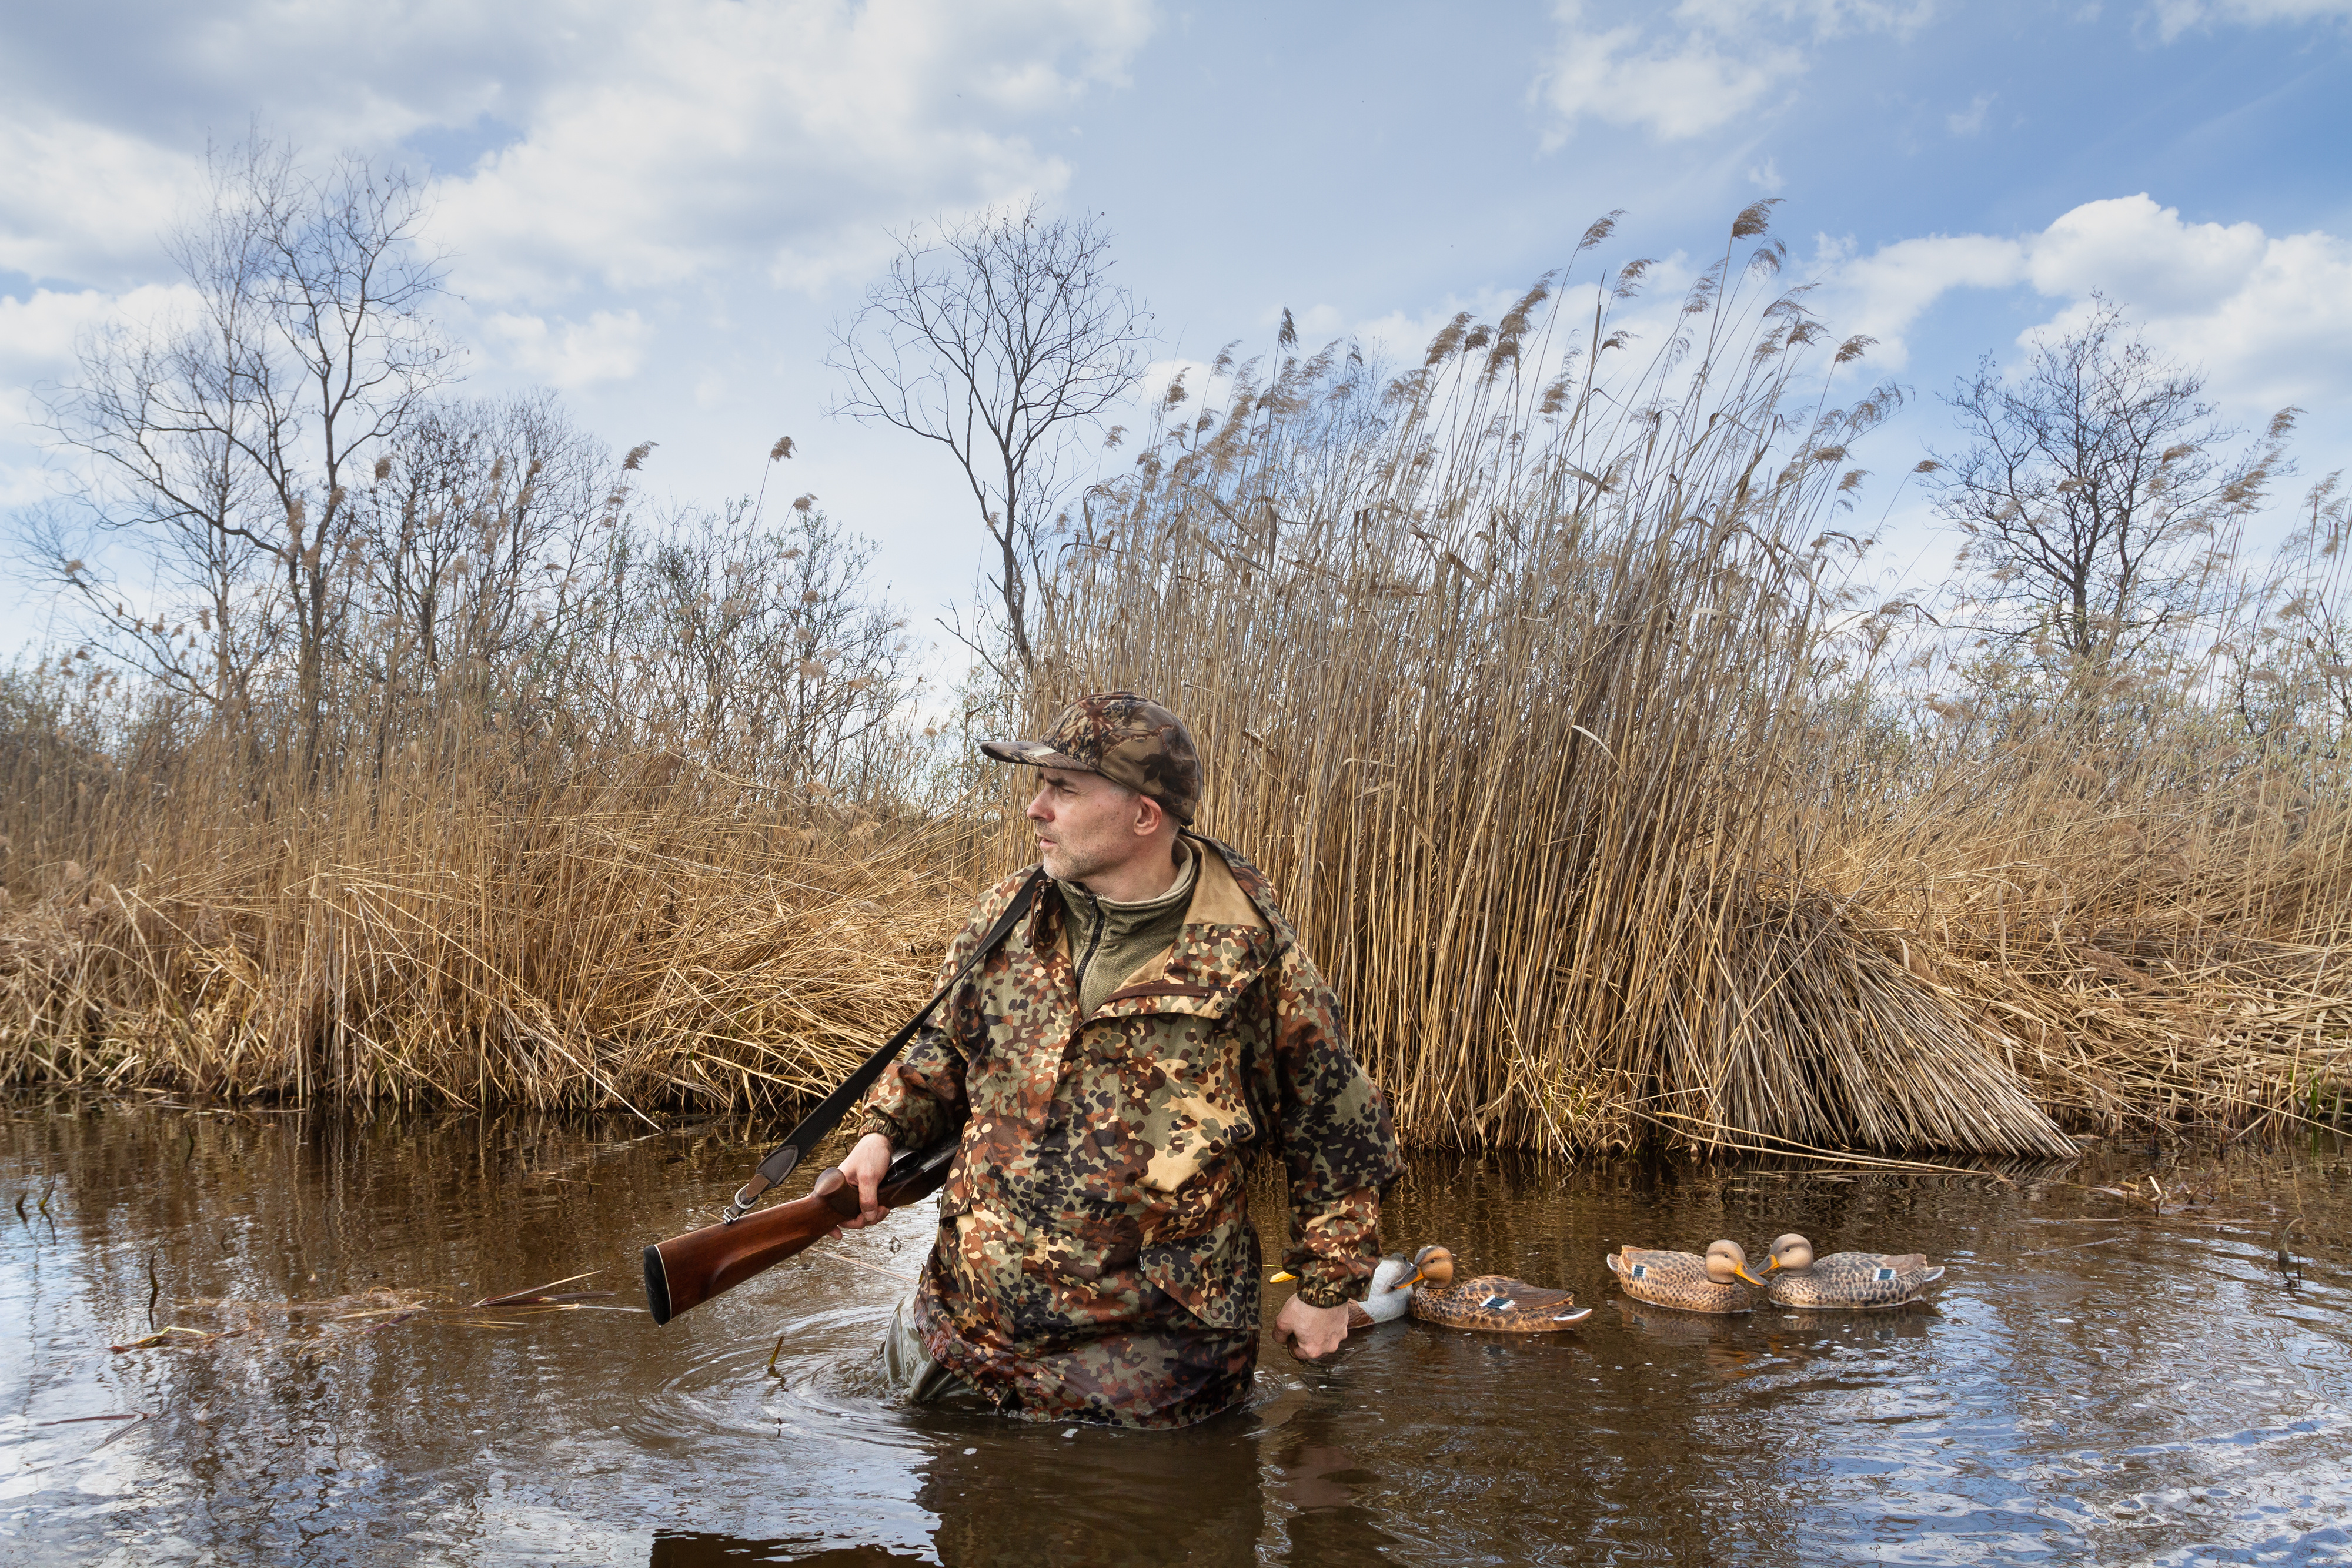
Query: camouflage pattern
{"x": 1128, "y": 739}
{"x": 1095, "y": 1259}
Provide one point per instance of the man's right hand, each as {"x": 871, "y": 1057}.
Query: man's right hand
{"x": 865, "y": 1167}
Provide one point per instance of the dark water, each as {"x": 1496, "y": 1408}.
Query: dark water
{"x": 2097, "y": 1383}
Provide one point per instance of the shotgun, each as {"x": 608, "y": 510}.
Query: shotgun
{"x": 687, "y": 1270}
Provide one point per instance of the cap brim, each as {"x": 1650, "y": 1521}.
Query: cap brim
{"x": 1033, "y": 753}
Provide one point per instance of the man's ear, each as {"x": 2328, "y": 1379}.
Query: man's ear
{"x": 1148, "y": 815}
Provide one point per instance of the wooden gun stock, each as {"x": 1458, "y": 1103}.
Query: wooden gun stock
{"x": 687, "y": 1270}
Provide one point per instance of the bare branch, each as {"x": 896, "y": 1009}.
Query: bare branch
{"x": 1001, "y": 340}
{"x": 2091, "y": 482}
{"x": 232, "y": 438}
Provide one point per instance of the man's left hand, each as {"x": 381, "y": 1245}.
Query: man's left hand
{"x": 1312, "y": 1333}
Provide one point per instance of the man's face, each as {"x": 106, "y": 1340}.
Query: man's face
{"x": 1085, "y": 823}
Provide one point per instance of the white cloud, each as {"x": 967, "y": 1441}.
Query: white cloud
{"x": 1884, "y": 293}
{"x": 1319, "y": 324}
{"x": 107, "y": 106}
{"x": 787, "y": 136}
{"x": 2143, "y": 256}
{"x": 1703, "y": 65}
{"x": 2173, "y": 17}
{"x": 40, "y": 336}
{"x": 648, "y": 142}
{"x": 607, "y": 347}
{"x": 82, "y": 201}
{"x": 1676, "y": 90}
{"x": 1970, "y": 120}
{"x": 1401, "y": 339}
{"x": 1697, "y": 66}
{"x": 2269, "y": 318}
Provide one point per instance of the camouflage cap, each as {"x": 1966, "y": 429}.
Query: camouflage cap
{"x": 1128, "y": 739}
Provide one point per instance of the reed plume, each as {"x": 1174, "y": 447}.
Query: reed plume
{"x": 1525, "y": 692}
{"x": 1535, "y": 674}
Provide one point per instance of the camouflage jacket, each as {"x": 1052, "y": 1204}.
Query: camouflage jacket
{"x": 1094, "y": 1258}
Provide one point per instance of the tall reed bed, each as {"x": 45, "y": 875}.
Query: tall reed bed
{"x": 2146, "y": 914}
{"x": 1515, "y": 671}
{"x": 676, "y": 850}
{"x": 1535, "y": 676}
{"x": 468, "y": 930}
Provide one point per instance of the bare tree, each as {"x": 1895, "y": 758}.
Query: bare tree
{"x": 479, "y": 530}
{"x": 2094, "y": 489}
{"x": 230, "y": 441}
{"x": 767, "y": 649}
{"x": 999, "y": 340}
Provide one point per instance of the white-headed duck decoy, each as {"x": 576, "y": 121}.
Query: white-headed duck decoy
{"x": 1795, "y": 1277}
{"x": 1685, "y": 1281}
{"x": 1489, "y": 1302}
{"x": 1389, "y": 1300}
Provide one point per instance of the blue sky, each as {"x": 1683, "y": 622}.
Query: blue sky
{"x": 659, "y": 207}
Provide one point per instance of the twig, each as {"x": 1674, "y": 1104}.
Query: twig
{"x": 1794, "y": 1150}
{"x": 876, "y": 1268}
{"x": 523, "y": 1298}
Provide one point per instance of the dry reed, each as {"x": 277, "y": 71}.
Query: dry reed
{"x": 635, "y": 940}
{"x": 1516, "y": 672}
{"x": 1522, "y": 691}
{"x": 658, "y": 848}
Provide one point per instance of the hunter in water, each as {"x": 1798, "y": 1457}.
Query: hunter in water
{"x": 1148, "y": 1025}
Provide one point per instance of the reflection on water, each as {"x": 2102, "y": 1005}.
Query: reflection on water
{"x": 2093, "y": 1382}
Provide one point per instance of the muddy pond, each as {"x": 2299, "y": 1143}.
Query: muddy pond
{"x": 2102, "y": 1376}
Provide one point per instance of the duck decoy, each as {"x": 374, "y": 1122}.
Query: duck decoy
{"x": 1389, "y": 1300}
{"x": 1795, "y": 1277}
{"x": 1685, "y": 1281}
{"x": 1489, "y": 1302}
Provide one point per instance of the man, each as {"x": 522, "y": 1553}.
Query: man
{"x": 1148, "y": 1024}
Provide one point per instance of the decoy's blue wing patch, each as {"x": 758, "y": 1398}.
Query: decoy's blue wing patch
{"x": 1641, "y": 1270}
{"x": 1495, "y": 1304}
{"x": 1886, "y": 1273}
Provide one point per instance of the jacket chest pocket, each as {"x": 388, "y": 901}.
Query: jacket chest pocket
{"x": 1181, "y": 1082}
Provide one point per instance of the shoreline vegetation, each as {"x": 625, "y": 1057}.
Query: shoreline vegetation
{"x": 1537, "y": 675}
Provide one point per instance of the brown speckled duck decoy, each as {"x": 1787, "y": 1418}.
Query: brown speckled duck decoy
{"x": 1489, "y": 1302}
{"x": 1795, "y": 1277}
{"x": 1685, "y": 1281}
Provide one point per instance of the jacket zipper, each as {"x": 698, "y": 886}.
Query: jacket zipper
{"x": 1094, "y": 943}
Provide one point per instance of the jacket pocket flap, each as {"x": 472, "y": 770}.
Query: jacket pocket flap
{"x": 1212, "y": 1277}
{"x": 1159, "y": 989}
{"x": 1177, "y": 997}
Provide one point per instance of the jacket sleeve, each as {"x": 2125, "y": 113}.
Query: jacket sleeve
{"x": 1338, "y": 1143}
{"x": 920, "y": 1099}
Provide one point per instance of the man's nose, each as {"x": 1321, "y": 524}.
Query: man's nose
{"x": 1036, "y": 812}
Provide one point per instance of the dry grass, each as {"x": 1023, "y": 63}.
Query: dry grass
{"x": 643, "y": 936}
{"x": 1523, "y": 694}
{"x": 2149, "y": 928}
{"x": 1522, "y": 686}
